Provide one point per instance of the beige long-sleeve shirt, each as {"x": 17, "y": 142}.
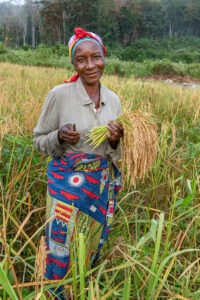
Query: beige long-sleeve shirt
{"x": 70, "y": 103}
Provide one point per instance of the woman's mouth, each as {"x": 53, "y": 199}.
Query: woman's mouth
{"x": 92, "y": 74}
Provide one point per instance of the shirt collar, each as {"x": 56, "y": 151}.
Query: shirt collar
{"x": 84, "y": 97}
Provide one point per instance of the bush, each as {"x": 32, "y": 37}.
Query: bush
{"x": 60, "y": 50}
{"x": 142, "y": 49}
{"x": 27, "y": 47}
{"x": 185, "y": 49}
{"x": 45, "y": 56}
{"x": 185, "y": 57}
{"x": 115, "y": 50}
{"x": 125, "y": 68}
{"x": 2, "y": 48}
{"x": 115, "y": 66}
{"x": 193, "y": 70}
{"x": 130, "y": 53}
{"x": 164, "y": 66}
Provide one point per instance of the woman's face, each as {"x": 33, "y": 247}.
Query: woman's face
{"x": 89, "y": 62}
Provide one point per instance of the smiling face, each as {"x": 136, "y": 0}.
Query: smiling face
{"x": 89, "y": 62}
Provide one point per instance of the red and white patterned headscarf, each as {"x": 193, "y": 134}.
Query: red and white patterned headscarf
{"x": 80, "y": 36}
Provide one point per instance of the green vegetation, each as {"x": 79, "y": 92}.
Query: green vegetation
{"x": 121, "y": 23}
{"x": 157, "y": 64}
{"x": 177, "y": 49}
{"x": 153, "y": 248}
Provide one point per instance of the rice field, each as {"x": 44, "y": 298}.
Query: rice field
{"x": 153, "y": 251}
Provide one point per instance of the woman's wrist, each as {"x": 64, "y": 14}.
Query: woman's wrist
{"x": 113, "y": 144}
{"x": 59, "y": 139}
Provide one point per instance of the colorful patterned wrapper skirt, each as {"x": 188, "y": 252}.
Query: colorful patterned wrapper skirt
{"x": 81, "y": 197}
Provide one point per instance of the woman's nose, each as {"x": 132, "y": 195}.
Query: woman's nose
{"x": 90, "y": 63}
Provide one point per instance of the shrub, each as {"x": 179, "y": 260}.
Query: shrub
{"x": 164, "y": 66}
{"x": 116, "y": 50}
{"x": 130, "y": 53}
{"x": 142, "y": 49}
{"x": 2, "y": 48}
{"x": 115, "y": 66}
{"x": 193, "y": 70}
{"x": 45, "y": 56}
{"x": 27, "y": 47}
{"x": 60, "y": 50}
{"x": 185, "y": 57}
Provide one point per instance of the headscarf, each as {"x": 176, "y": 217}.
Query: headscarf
{"x": 80, "y": 36}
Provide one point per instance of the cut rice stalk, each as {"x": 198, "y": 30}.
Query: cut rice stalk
{"x": 139, "y": 144}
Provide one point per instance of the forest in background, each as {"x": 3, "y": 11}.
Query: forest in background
{"x": 119, "y": 22}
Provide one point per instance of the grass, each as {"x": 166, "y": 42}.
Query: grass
{"x": 153, "y": 248}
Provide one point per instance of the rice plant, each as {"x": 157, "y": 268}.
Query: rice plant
{"x": 153, "y": 248}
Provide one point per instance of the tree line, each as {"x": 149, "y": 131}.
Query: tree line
{"x": 118, "y": 22}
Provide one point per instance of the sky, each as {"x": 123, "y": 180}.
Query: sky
{"x": 13, "y": 1}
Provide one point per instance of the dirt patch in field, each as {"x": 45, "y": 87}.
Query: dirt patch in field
{"x": 173, "y": 78}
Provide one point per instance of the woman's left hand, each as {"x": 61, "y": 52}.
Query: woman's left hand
{"x": 115, "y": 133}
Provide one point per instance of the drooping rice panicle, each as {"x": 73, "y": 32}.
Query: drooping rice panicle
{"x": 40, "y": 261}
{"x": 139, "y": 143}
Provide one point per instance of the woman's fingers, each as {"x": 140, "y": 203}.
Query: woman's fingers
{"x": 67, "y": 134}
{"x": 68, "y": 129}
{"x": 70, "y": 139}
{"x": 114, "y": 126}
{"x": 115, "y": 130}
{"x": 70, "y": 136}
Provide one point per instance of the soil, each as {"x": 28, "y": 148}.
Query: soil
{"x": 174, "y": 78}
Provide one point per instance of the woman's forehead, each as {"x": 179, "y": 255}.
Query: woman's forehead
{"x": 87, "y": 46}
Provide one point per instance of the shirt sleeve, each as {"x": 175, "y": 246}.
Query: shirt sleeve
{"x": 45, "y": 134}
{"x": 115, "y": 154}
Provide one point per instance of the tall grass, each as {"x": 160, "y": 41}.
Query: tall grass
{"x": 153, "y": 248}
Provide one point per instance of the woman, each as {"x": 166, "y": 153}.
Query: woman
{"x": 82, "y": 181}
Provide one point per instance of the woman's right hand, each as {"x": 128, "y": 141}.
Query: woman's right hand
{"x": 68, "y": 135}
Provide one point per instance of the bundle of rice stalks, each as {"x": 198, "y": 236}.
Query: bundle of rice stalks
{"x": 139, "y": 144}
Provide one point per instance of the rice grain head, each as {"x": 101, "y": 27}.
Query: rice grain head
{"x": 139, "y": 144}
{"x": 40, "y": 261}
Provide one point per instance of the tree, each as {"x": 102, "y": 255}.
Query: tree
{"x": 116, "y": 21}
{"x": 174, "y": 13}
{"x": 33, "y": 11}
{"x": 192, "y": 17}
{"x": 52, "y": 19}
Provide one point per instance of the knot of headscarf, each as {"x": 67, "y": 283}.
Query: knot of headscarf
{"x": 79, "y": 36}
